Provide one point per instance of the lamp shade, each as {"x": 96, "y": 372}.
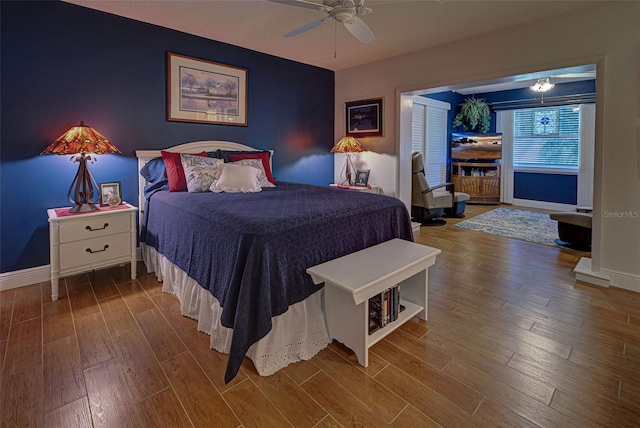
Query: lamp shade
{"x": 81, "y": 139}
{"x": 347, "y": 145}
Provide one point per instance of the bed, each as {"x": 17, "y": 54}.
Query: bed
{"x": 237, "y": 261}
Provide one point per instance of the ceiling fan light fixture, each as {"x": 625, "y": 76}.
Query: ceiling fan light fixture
{"x": 542, "y": 85}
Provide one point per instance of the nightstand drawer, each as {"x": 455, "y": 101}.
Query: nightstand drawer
{"x": 89, "y": 227}
{"x": 92, "y": 252}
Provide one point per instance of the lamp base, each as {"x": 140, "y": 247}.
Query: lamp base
{"x": 84, "y": 208}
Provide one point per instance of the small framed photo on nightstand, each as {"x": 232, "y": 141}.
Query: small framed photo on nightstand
{"x": 362, "y": 177}
{"x": 110, "y": 193}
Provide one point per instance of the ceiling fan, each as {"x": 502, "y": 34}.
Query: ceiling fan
{"x": 345, "y": 11}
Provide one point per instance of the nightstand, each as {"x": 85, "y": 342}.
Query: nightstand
{"x": 86, "y": 241}
{"x": 372, "y": 189}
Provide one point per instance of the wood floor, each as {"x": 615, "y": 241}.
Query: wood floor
{"x": 511, "y": 340}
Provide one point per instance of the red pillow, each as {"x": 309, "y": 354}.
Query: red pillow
{"x": 263, "y": 156}
{"x": 175, "y": 172}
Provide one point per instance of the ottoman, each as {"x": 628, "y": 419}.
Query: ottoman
{"x": 574, "y": 229}
{"x": 459, "y": 205}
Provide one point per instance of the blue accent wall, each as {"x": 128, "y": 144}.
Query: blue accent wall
{"x": 63, "y": 63}
{"x": 559, "y": 188}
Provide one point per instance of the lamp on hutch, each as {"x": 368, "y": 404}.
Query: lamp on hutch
{"x": 348, "y": 145}
{"x": 84, "y": 141}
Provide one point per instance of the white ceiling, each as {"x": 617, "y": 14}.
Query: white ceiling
{"x": 400, "y": 26}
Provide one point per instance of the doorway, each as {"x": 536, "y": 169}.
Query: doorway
{"x": 513, "y": 84}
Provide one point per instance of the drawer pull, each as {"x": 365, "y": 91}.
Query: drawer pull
{"x": 89, "y": 250}
{"x": 91, "y": 229}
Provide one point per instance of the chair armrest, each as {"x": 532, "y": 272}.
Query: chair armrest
{"x": 431, "y": 189}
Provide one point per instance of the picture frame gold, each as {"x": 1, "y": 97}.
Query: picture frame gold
{"x": 203, "y": 91}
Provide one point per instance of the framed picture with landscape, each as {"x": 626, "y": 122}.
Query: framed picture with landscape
{"x": 364, "y": 118}
{"x": 204, "y": 91}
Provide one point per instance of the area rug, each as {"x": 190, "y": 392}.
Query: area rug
{"x": 528, "y": 226}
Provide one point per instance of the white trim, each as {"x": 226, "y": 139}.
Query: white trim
{"x": 585, "y": 273}
{"x": 24, "y": 277}
{"x": 431, "y": 102}
{"x": 623, "y": 280}
{"x": 403, "y": 147}
{"x": 587, "y": 153}
{"x": 543, "y": 205}
{"x": 504, "y": 125}
{"x": 543, "y": 170}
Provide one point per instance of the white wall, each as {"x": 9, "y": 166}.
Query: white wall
{"x": 607, "y": 35}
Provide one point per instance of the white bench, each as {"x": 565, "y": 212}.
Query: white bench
{"x": 350, "y": 282}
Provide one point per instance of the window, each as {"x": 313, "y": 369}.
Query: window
{"x": 547, "y": 138}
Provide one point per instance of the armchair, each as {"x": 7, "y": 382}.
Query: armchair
{"x": 428, "y": 203}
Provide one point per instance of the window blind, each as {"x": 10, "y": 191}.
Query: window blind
{"x": 417, "y": 129}
{"x": 436, "y": 156}
{"x": 547, "y": 137}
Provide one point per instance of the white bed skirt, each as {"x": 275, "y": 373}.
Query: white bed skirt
{"x": 298, "y": 334}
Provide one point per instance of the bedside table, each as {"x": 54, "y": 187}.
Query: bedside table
{"x": 373, "y": 189}
{"x": 86, "y": 241}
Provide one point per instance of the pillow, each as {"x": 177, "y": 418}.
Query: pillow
{"x": 236, "y": 179}
{"x": 231, "y": 156}
{"x": 200, "y": 172}
{"x": 175, "y": 172}
{"x": 154, "y": 171}
{"x": 256, "y": 163}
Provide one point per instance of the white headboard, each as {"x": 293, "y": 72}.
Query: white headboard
{"x": 145, "y": 156}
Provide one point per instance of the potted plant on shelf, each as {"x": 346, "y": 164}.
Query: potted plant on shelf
{"x": 473, "y": 115}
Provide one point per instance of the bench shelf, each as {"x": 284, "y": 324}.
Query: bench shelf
{"x": 350, "y": 282}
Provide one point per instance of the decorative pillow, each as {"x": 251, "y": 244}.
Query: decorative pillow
{"x": 236, "y": 179}
{"x": 175, "y": 172}
{"x": 200, "y": 172}
{"x": 230, "y": 156}
{"x": 154, "y": 171}
{"x": 255, "y": 163}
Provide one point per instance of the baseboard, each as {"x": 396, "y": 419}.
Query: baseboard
{"x": 624, "y": 280}
{"x": 551, "y": 206}
{"x": 24, "y": 277}
{"x": 21, "y": 278}
{"x": 585, "y": 274}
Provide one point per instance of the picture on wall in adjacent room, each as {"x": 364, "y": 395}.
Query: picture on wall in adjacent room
{"x": 364, "y": 118}
{"x": 204, "y": 91}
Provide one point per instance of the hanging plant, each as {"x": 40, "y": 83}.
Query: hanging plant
{"x": 474, "y": 115}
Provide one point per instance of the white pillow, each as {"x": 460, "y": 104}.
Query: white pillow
{"x": 256, "y": 163}
{"x": 236, "y": 179}
{"x": 200, "y": 171}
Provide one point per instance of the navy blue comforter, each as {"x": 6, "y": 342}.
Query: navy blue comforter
{"x": 251, "y": 250}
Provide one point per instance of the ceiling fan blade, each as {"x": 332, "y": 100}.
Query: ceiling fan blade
{"x": 304, "y": 3}
{"x": 360, "y": 30}
{"x": 309, "y": 26}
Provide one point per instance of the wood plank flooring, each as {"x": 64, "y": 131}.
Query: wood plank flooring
{"x": 511, "y": 340}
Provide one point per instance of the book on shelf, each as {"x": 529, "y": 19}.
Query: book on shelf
{"x": 384, "y": 308}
